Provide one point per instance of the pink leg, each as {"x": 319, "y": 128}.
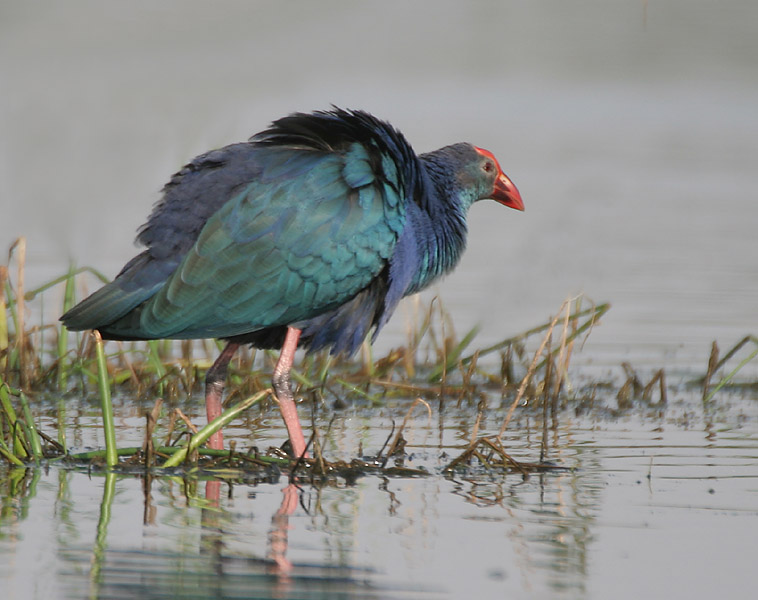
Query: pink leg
{"x": 215, "y": 379}
{"x": 281, "y": 381}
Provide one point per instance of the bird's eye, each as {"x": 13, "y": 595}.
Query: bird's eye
{"x": 488, "y": 167}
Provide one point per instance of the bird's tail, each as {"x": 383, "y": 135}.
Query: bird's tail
{"x": 133, "y": 286}
{"x": 102, "y": 308}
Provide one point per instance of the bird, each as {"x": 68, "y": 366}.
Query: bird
{"x": 307, "y": 235}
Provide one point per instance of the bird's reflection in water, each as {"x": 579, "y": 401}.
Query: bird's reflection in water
{"x": 278, "y": 539}
{"x": 279, "y": 533}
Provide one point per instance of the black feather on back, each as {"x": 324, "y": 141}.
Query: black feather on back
{"x": 336, "y": 129}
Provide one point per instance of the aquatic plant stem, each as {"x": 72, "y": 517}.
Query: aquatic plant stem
{"x": 111, "y": 457}
{"x": 206, "y": 432}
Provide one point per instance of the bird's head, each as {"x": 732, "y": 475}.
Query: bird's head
{"x": 464, "y": 174}
{"x": 497, "y": 184}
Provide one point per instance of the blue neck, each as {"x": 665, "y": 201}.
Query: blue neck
{"x": 438, "y": 224}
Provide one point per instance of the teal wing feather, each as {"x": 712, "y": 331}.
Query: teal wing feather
{"x": 308, "y": 234}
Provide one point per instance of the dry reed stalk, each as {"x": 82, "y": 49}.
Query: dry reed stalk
{"x": 507, "y": 458}
{"x": 647, "y": 392}
{"x": 529, "y": 374}
{"x": 171, "y": 426}
{"x": 318, "y": 454}
{"x": 396, "y": 439}
{"x": 493, "y": 448}
{"x": 632, "y": 379}
{"x": 481, "y": 407}
{"x": 151, "y": 420}
{"x": 545, "y": 397}
{"x": 128, "y": 366}
{"x": 713, "y": 361}
{"x": 190, "y": 425}
{"x": 467, "y": 387}
{"x": 444, "y": 348}
{"x": 564, "y": 352}
{"x": 736, "y": 348}
{"x": 193, "y": 454}
{"x": 408, "y": 357}
{"x": 367, "y": 359}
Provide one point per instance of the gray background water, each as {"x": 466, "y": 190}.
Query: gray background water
{"x": 631, "y": 129}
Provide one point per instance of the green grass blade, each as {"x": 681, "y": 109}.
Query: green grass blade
{"x": 374, "y": 399}
{"x": 111, "y": 457}
{"x": 31, "y": 294}
{"x": 19, "y": 447}
{"x": 31, "y": 429}
{"x": 61, "y": 416}
{"x": 300, "y": 378}
{"x": 154, "y": 358}
{"x": 9, "y": 456}
{"x": 206, "y": 432}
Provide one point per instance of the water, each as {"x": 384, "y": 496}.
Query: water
{"x": 631, "y": 131}
{"x": 658, "y": 502}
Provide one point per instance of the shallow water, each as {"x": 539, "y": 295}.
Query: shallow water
{"x": 658, "y": 501}
{"x": 631, "y": 131}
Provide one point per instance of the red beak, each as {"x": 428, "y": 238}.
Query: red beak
{"x": 505, "y": 192}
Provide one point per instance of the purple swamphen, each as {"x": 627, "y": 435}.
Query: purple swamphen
{"x": 309, "y": 233}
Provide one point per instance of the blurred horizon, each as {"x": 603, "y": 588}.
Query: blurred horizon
{"x": 628, "y": 127}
